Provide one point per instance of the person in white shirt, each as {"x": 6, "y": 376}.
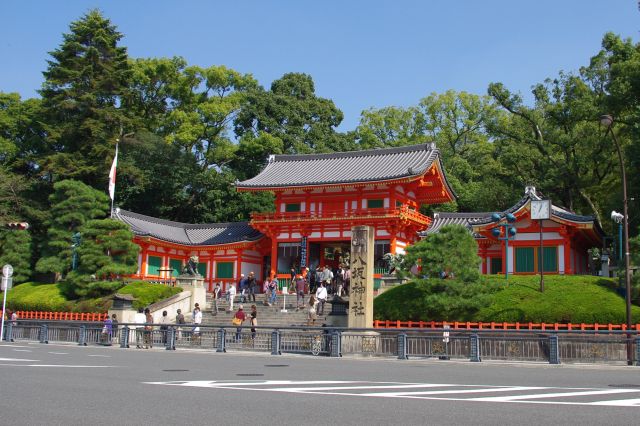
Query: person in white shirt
{"x": 232, "y": 295}
{"x": 216, "y": 295}
{"x": 321, "y": 295}
{"x": 197, "y": 320}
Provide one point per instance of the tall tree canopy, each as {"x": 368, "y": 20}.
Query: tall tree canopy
{"x": 84, "y": 83}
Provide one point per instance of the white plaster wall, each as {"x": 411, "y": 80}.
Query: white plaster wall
{"x": 510, "y": 260}
{"x": 561, "y": 259}
{"x": 531, "y": 236}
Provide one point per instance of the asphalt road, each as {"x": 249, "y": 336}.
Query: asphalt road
{"x": 72, "y": 385}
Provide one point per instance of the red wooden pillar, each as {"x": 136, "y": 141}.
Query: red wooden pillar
{"x": 143, "y": 262}
{"x": 568, "y": 267}
{"x": 274, "y": 254}
{"x": 239, "y": 264}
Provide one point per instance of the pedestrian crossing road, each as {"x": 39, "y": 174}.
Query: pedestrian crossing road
{"x": 612, "y": 396}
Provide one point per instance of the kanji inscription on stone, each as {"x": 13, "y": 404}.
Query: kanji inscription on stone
{"x": 361, "y": 288}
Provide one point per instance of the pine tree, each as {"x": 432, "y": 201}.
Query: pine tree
{"x": 81, "y": 94}
{"x": 72, "y": 205}
{"x": 15, "y": 250}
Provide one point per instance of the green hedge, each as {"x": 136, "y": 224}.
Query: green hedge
{"x": 50, "y": 297}
{"x": 575, "y": 299}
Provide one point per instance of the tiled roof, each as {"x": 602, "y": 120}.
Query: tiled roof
{"x": 530, "y": 194}
{"x": 346, "y": 167}
{"x": 441, "y": 219}
{"x": 206, "y": 234}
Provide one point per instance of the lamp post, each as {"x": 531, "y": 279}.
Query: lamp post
{"x": 607, "y": 121}
{"x": 509, "y": 232}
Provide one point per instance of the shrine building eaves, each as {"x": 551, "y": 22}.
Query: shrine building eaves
{"x": 343, "y": 168}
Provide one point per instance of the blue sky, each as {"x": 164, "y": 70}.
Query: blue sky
{"x": 361, "y": 54}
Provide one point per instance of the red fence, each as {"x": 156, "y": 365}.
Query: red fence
{"x": 62, "y": 316}
{"x": 501, "y": 325}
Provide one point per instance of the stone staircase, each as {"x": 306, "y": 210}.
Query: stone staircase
{"x": 268, "y": 316}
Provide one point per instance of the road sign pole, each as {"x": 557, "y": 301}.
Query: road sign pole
{"x": 5, "y": 286}
{"x": 7, "y": 273}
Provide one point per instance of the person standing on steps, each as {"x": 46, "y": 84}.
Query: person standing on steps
{"x": 252, "y": 284}
{"x": 238, "y": 320}
{"x": 243, "y": 286}
{"x": 197, "y": 320}
{"x": 254, "y": 322}
{"x": 300, "y": 284}
{"x": 321, "y": 295}
{"x": 216, "y": 296}
{"x": 148, "y": 329}
{"x": 232, "y": 294}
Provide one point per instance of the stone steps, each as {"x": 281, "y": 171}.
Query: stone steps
{"x": 268, "y": 316}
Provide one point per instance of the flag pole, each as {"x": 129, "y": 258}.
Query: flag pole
{"x": 112, "y": 178}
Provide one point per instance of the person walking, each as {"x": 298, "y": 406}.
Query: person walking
{"x": 254, "y": 323}
{"x": 197, "y": 320}
{"x": 148, "y": 329}
{"x": 179, "y": 322}
{"x": 216, "y": 296}
{"x": 311, "y": 314}
{"x": 238, "y": 320}
{"x": 321, "y": 295}
{"x": 232, "y": 294}
{"x": 273, "y": 291}
{"x": 300, "y": 284}
{"x": 114, "y": 326}
{"x": 164, "y": 326}
{"x": 252, "y": 284}
{"x": 243, "y": 287}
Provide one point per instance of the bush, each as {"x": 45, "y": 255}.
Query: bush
{"x": 434, "y": 300}
{"x": 51, "y": 297}
{"x": 146, "y": 293}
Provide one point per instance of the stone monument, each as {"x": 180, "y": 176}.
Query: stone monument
{"x": 361, "y": 288}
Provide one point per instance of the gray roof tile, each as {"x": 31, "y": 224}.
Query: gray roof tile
{"x": 188, "y": 234}
{"x": 346, "y": 167}
{"x": 441, "y": 219}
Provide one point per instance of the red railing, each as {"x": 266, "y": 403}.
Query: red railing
{"x": 61, "y": 316}
{"x": 459, "y": 325}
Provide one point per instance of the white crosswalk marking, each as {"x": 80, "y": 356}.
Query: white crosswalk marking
{"x": 432, "y": 391}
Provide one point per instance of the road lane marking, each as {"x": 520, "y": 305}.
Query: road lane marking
{"x": 222, "y": 384}
{"x": 19, "y": 359}
{"x": 457, "y": 391}
{"x": 619, "y": 402}
{"x": 101, "y": 356}
{"x": 553, "y": 395}
{"x": 58, "y": 365}
{"x": 22, "y": 350}
{"x": 338, "y": 388}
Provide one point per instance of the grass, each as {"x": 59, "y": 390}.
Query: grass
{"x": 576, "y": 299}
{"x": 33, "y": 296}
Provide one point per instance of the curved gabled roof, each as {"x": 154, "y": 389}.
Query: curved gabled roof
{"x": 374, "y": 165}
{"x": 441, "y": 219}
{"x": 206, "y": 234}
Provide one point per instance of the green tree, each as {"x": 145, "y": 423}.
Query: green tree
{"x": 72, "y": 204}
{"x": 458, "y": 123}
{"x": 106, "y": 252}
{"x": 84, "y": 83}
{"x": 452, "y": 250}
{"x": 292, "y": 112}
{"x": 15, "y": 250}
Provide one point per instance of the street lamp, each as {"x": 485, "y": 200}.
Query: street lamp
{"x": 509, "y": 233}
{"x": 607, "y": 121}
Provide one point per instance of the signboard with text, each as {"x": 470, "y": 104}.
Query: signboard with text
{"x": 361, "y": 287}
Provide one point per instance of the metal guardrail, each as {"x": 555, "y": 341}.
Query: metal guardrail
{"x": 552, "y": 347}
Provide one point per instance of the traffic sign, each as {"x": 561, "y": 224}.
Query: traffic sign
{"x": 7, "y": 283}
{"x": 7, "y": 270}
